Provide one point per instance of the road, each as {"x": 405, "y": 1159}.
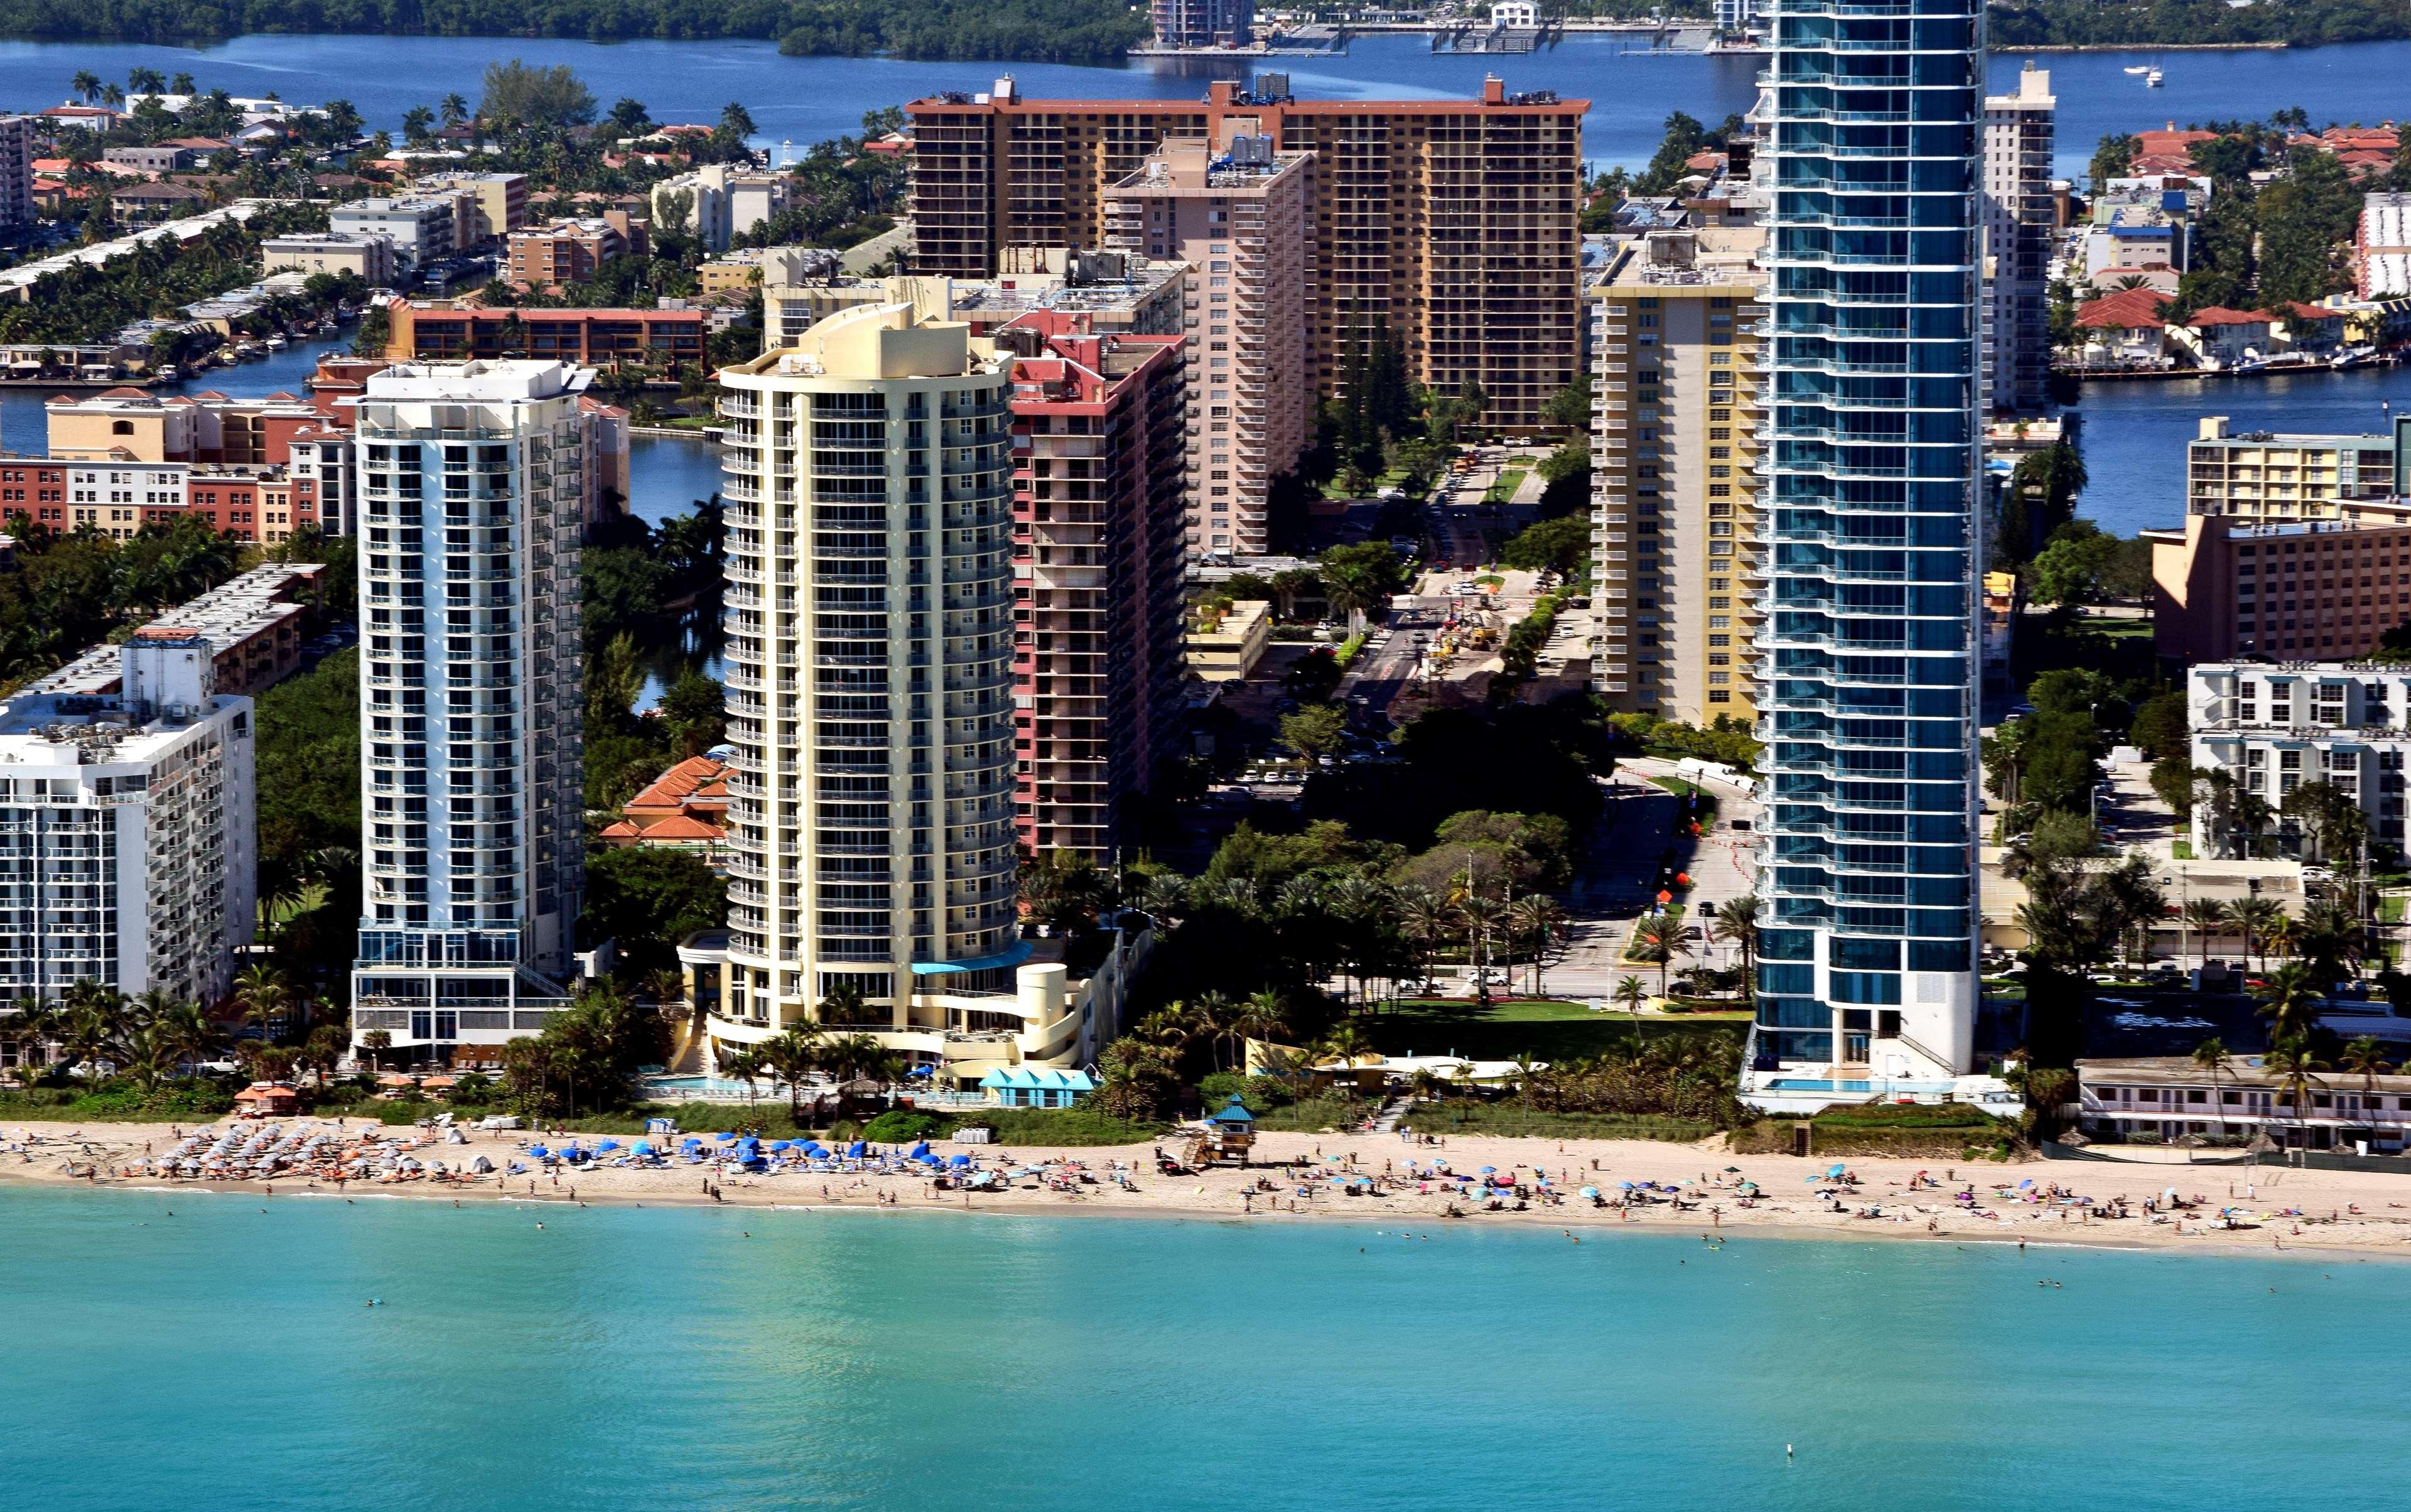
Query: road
{"x": 1612, "y": 880}
{"x": 1384, "y": 670}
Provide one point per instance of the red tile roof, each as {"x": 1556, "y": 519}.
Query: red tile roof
{"x": 2129, "y": 309}
{"x": 2218, "y": 314}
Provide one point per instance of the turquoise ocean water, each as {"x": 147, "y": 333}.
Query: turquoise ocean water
{"x": 660, "y": 1358}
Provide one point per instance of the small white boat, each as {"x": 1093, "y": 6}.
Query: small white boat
{"x": 2140, "y": 69}
{"x": 169, "y": 375}
{"x": 2154, "y": 79}
{"x": 277, "y": 343}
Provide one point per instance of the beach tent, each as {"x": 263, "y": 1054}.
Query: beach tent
{"x": 481, "y": 1167}
{"x": 858, "y": 1149}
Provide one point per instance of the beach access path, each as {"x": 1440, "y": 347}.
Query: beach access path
{"x": 2310, "y": 1210}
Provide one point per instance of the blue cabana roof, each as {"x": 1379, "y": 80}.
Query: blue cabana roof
{"x": 1234, "y": 1111}
{"x": 1026, "y": 1079}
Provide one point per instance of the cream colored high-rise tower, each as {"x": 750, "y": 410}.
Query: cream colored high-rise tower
{"x": 869, "y": 634}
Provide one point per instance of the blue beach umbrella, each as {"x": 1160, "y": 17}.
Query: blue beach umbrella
{"x": 1489, "y": 1170}
{"x": 605, "y": 1146}
{"x": 958, "y": 1160}
{"x": 782, "y": 1144}
{"x": 1589, "y": 1192}
{"x": 722, "y": 1139}
{"x": 644, "y": 1148}
{"x": 540, "y": 1151}
{"x": 1626, "y": 1185}
{"x": 859, "y": 1147}
{"x": 1836, "y": 1171}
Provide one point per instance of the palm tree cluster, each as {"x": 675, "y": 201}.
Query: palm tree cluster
{"x": 71, "y": 591}
{"x": 792, "y": 1056}
{"x": 1672, "y": 1076}
{"x": 587, "y": 1054}
{"x": 1358, "y": 927}
{"x": 2075, "y": 918}
{"x": 155, "y": 1037}
{"x": 156, "y": 278}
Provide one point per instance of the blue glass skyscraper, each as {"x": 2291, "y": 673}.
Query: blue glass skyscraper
{"x": 1868, "y": 653}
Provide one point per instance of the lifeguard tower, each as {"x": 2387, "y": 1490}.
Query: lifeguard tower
{"x": 1230, "y": 1133}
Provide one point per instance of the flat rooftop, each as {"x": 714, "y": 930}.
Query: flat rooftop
{"x": 229, "y": 615}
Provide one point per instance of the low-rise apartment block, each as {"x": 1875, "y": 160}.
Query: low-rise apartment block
{"x": 2166, "y": 1099}
{"x": 423, "y": 228}
{"x": 487, "y": 207}
{"x": 2276, "y": 727}
{"x": 252, "y": 622}
{"x": 1100, "y": 293}
{"x": 1240, "y": 215}
{"x": 569, "y": 251}
{"x": 720, "y": 201}
{"x": 368, "y": 256}
{"x": 444, "y": 330}
{"x": 1225, "y": 645}
{"x": 2275, "y": 475}
{"x": 1675, "y": 448}
{"x": 127, "y": 848}
{"x": 2302, "y": 590}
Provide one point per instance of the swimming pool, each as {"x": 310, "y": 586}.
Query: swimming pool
{"x": 710, "y": 1089}
{"x": 1804, "y": 1084}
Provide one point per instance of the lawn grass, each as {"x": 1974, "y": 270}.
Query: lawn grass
{"x": 1504, "y": 489}
{"x": 1552, "y": 1032}
{"x": 1312, "y": 1115}
{"x": 2391, "y": 908}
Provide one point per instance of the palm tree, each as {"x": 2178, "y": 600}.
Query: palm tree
{"x": 2248, "y": 917}
{"x": 187, "y": 1030}
{"x": 743, "y": 1065}
{"x": 414, "y": 122}
{"x": 1218, "y": 1020}
{"x": 2363, "y": 1058}
{"x": 261, "y": 995}
{"x": 1659, "y": 939}
{"x": 2208, "y": 920}
{"x": 453, "y": 109}
{"x": 85, "y": 86}
{"x": 1426, "y": 918}
{"x": 792, "y": 1055}
{"x": 2290, "y": 998}
{"x": 2211, "y": 1056}
{"x": 378, "y": 1041}
{"x": 1735, "y": 923}
{"x": 2295, "y": 1067}
{"x": 1259, "y": 1018}
{"x": 1633, "y": 992}
{"x": 1479, "y": 913}
{"x": 1535, "y": 916}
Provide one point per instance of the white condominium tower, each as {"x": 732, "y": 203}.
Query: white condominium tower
{"x": 1867, "y": 703}
{"x": 126, "y": 837}
{"x": 869, "y": 634}
{"x": 472, "y": 502}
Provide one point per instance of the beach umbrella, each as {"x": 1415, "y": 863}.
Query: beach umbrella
{"x": 1489, "y": 1170}
{"x": 1748, "y": 1186}
{"x": 958, "y": 1160}
{"x": 860, "y": 1147}
{"x": 1626, "y": 1186}
{"x": 782, "y": 1144}
{"x": 643, "y": 1148}
{"x": 2027, "y": 1183}
{"x": 540, "y": 1151}
{"x": 1734, "y": 1169}
{"x": 722, "y": 1139}
{"x": 1588, "y": 1192}
{"x": 1835, "y": 1171}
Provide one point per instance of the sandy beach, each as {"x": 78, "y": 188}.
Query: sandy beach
{"x": 2274, "y": 1209}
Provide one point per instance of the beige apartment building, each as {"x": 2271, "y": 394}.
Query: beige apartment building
{"x": 1675, "y": 516}
{"x": 570, "y": 251}
{"x": 1453, "y": 222}
{"x": 367, "y": 255}
{"x": 486, "y": 206}
{"x": 2269, "y": 475}
{"x": 870, "y": 618}
{"x": 1239, "y": 214}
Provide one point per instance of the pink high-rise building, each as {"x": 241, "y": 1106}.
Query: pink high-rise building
{"x": 1241, "y": 214}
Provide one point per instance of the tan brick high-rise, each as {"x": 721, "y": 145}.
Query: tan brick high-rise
{"x": 1452, "y": 221}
